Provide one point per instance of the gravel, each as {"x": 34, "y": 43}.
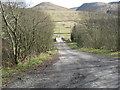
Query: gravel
{"x": 73, "y": 69}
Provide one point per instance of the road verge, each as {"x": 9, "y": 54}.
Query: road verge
{"x": 114, "y": 54}
{"x": 10, "y": 74}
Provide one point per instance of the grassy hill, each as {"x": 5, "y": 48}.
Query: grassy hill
{"x": 91, "y": 6}
{"x": 63, "y": 17}
{"x": 100, "y": 7}
{"x": 64, "y": 21}
{"x": 50, "y": 6}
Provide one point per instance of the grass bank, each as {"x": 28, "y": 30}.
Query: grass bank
{"x": 73, "y": 45}
{"x": 10, "y": 73}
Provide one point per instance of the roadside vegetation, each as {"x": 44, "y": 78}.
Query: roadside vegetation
{"x": 16, "y": 72}
{"x": 73, "y": 45}
{"x": 97, "y": 33}
{"x": 26, "y": 33}
{"x": 26, "y": 39}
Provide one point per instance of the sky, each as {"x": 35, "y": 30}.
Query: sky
{"x": 64, "y": 3}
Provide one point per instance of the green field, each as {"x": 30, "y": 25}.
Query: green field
{"x": 63, "y": 15}
{"x": 63, "y": 29}
{"x": 64, "y": 22}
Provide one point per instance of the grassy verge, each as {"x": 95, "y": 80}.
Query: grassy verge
{"x": 73, "y": 45}
{"x": 10, "y": 73}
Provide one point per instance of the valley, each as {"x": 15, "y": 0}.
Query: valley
{"x": 58, "y": 47}
{"x": 65, "y": 18}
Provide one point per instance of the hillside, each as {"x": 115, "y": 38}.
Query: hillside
{"x": 62, "y": 17}
{"x": 115, "y": 2}
{"x": 111, "y": 7}
{"x": 50, "y": 6}
{"x": 74, "y": 8}
{"x": 91, "y": 6}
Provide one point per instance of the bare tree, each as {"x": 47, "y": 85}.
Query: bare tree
{"x": 27, "y": 31}
{"x": 99, "y": 31}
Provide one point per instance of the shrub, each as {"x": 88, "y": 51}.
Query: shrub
{"x": 99, "y": 31}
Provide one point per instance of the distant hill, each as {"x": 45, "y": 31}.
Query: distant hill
{"x": 91, "y": 6}
{"x": 118, "y": 2}
{"x": 111, "y": 7}
{"x": 74, "y": 8}
{"x": 50, "y": 6}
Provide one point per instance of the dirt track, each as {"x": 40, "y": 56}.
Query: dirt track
{"x": 74, "y": 69}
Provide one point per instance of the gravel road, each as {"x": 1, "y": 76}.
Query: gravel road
{"x": 73, "y": 69}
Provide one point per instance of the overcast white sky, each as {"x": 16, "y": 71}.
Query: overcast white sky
{"x": 64, "y": 3}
